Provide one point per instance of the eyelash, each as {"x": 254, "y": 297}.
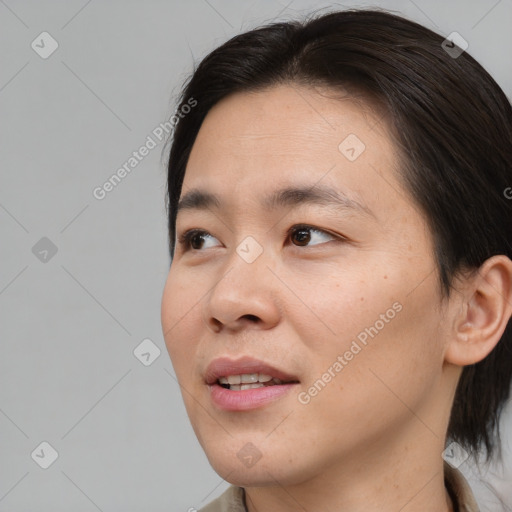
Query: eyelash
{"x": 186, "y": 238}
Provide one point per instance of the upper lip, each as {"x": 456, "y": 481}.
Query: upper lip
{"x": 224, "y": 366}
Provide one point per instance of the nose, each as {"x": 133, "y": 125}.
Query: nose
{"x": 245, "y": 296}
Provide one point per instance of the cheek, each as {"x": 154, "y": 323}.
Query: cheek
{"x": 332, "y": 304}
{"x": 383, "y": 333}
{"x": 376, "y": 384}
{"x": 180, "y": 317}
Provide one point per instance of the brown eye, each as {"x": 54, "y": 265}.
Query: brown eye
{"x": 196, "y": 239}
{"x": 304, "y": 235}
{"x": 301, "y": 236}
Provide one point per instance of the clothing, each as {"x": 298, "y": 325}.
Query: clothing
{"x": 459, "y": 490}
{"x": 233, "y": 499}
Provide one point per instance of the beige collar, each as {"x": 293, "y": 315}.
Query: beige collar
{"x": 459, "y": 490}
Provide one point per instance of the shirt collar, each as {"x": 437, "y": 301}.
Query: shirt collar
{"x": 459, "y": 489}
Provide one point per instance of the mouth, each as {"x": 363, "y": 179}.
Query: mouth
{"x": 250, "y": 381}
{"x": 246, "y": 383}
{"x": 245, "y": 371}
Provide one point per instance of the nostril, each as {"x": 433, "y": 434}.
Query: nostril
{"x": 214, "y": 325}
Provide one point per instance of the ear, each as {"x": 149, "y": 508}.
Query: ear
{"x": 486, "y": 308}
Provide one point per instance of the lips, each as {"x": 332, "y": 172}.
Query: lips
{"x": 226, "y": 367}
{"x": 246, "y": 384}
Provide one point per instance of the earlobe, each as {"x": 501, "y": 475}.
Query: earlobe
{"x": 484, "y": 313}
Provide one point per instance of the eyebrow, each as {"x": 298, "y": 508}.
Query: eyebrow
{"x": 197, "y": 199}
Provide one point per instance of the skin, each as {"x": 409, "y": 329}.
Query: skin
{"x": 372, "y": 438}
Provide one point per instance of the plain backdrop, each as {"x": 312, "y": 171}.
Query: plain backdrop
{"x": 81, "y": 278}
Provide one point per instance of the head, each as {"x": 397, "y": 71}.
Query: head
{"x": 338, "y": 208}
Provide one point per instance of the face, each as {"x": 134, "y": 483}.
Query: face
{"x": 311, "y": 263}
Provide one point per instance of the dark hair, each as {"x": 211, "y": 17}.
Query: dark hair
{"x": 452, "y": 127}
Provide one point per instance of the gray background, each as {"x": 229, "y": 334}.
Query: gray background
{"x": 70, "y": 321}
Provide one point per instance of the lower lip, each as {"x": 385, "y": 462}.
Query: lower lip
{"x": 247, "y": 399}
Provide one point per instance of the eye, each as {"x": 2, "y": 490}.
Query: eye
{"x": 303, "y": 235}
{"x": 196, "y": 239}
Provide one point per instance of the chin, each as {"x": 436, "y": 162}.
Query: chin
{"x": 237, "y": 467}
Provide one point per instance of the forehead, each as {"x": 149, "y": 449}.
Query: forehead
{"x": 251, "y": 144}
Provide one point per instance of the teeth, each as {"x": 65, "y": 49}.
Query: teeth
{"x": 233, "y": 379}
{"x": 246, "y": 378}
{"x": 248, "y": 381}
{"x": 241, "y": 387}
{"x": 252, "y": 386}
